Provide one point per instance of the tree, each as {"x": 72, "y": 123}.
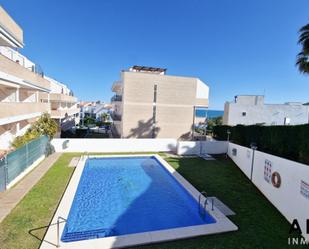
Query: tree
{"x": 89, "y": 120}
{"x": 104, "y": 117}
{"x": 45, "y": 125}
{"x": 303, "y": 57}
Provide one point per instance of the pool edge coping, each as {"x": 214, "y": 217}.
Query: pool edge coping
{"x": 222, "y": 224}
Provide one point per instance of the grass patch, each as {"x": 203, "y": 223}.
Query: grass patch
{"x": 36, "y": 208}
{"x": 260, "y": 224}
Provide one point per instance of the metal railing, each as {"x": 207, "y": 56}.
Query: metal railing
{"x": 202, "y": 207}
{"x": 16, "y": 162}
{"x": 116, "y": 117}
{"x": 116, "y": 98}
{"x": 59, "y": 221}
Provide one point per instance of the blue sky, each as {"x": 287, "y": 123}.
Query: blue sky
{"x": 236, "y": 47}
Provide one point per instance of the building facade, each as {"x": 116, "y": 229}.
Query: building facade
{"x": 150, "y": 104}
{"x": 64, "y": 106}
{"x": 251, "y": 109}
{"x": 22, "y": 85}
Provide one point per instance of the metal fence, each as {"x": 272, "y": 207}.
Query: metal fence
{"x": 14, "y": 163}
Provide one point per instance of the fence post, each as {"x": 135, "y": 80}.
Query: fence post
{"x": 253, "y": 147}
{"x": 6, "y": 173}
{"x": 27, "y": 156}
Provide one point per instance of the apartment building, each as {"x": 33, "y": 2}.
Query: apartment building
{"x": 25, "y": 93}
{"x": 21, "y": 82}
{"x": 251, "y": 109}
{"x": 148, "y": 103}
{"x": 64, "y": 106}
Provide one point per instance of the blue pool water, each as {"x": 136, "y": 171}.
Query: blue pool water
{"x": 126, "y": 195}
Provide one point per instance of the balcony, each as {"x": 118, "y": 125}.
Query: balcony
{"x": 64, "y": 112}
{"x": 116, "y": 117}
{"x": 11, "y": 34}
{"x": 58, "y": 97}
{"x": 13, "y": 112}
{"x": 117, "y": 86}
{"x": 10, "y": 67}
{"x": 201, "y": 102}
{"x": 116, "y": 98}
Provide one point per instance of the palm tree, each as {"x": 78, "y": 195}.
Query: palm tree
{"x": 303, "y": 57}
{"x": 104, "y": 117}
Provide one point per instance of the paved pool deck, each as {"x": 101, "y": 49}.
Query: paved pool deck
{"x": 11, "y": 197}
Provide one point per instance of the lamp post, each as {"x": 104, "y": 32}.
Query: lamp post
{"x": 254, "y": 148}
{"x": 228, "y": 135}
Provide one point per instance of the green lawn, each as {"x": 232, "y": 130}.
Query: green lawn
{"x": 260, "y": 224}
{"x": 36, "y": 209}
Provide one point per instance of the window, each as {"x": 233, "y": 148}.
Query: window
{"x": 244, "y": 114}
{"x": 154, "y": 111}
{"x": 155, "y": 87}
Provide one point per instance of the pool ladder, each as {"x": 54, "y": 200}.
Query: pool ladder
{"x": 202, "y": 206}
{"x": 59, "y": 221}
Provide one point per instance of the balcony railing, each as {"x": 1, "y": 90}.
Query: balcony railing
{"x": 11, "y": 27}
{"x": 116, "y": 117}
{"x": 13, "y": 68}
{"x": 13, "y": 110}
{"x": 58, "y": 97}
{"x": 117, "y": 86}
{"x": 116, "y": 98}
{"x": 64, "y": 112}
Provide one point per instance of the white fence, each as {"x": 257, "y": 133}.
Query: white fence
{"x": 139, "y": 145}
{"x": 113, "y": 145}
{"x": 292, "y": 197}
{"x": 201, "y": 147}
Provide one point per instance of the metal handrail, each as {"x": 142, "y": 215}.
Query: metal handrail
{"x": 58, "y": 224}
{"x": 204, "y": 194}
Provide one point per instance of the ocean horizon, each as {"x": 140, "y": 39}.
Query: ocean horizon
{"x": 209, "y": 113}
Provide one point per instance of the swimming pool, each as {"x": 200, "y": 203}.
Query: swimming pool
{"x": 127, "y": 195}
{"x": 127, "y": 200}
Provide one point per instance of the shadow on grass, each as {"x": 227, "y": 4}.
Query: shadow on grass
{"x": 32, "y": 233}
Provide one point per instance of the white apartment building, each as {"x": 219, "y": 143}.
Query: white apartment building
{"x": 64, "y": 106}
{"x": 23, "y": 86}
{"x": 151, "y": 104}
{"x": 251, "y": 109}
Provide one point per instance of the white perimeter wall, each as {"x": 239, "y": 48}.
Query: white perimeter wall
{"x": 139, "y": 145}
{"x": 198, "y": 147}
{"x": 114, "y": 145}
{"x": 287, "y": 199}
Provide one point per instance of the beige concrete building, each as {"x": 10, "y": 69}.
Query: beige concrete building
{"x": 22, "y": 86}
{"x": 151, "y": 104}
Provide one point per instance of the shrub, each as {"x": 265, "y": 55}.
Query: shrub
{"x": 290, "y": 142}
{"x": 45, "y": 125}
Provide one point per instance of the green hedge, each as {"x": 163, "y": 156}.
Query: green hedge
{"x": 291, "y": 142}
